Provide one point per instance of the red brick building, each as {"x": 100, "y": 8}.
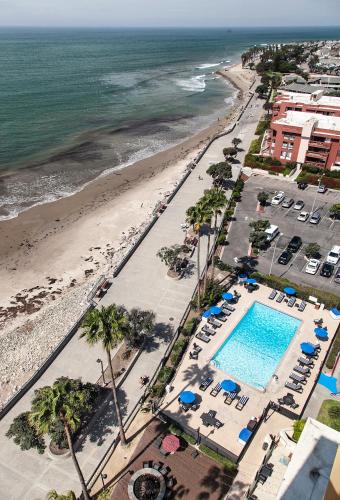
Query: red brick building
{"x": 305, "y": 128}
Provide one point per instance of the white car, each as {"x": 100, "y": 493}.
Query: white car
{"x": 278, "y": 198}
{"x": 303, "y": 216}
{"x": 334, "y": 255}
{"x": 312, "y": 266}
{"x": 299, "y": 205}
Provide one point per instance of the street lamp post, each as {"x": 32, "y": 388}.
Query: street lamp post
{"x": 272, "y": 262}
{"x": 103, "y": 477}
{"x": 316, "y": 192}
{"x": 102, "y": 369}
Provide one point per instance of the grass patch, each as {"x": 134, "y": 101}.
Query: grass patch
{"x": 217, "y": 457}
{"x": 298, "y": 427}
{"x": 329, "y": 414}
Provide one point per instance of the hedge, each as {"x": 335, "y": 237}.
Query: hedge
{"x": 334, "y": 351}
{"x": 329, "y": 299}
{"x": 314, "y": 179}
{"x": 222, "y": 460}
{"x": 178, "y": 432}
{"x": 178, "y": 350}
{"x": 190, "y": 327}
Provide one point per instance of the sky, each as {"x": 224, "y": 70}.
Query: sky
{"x": 117, "y": 13}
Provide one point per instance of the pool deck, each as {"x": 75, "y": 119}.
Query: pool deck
{"x": 191, "y": 372}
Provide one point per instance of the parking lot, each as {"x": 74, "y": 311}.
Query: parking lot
{"x": 326, "y": 233}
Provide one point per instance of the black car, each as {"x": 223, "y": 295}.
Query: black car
{"x": 294, "y": 244}
{"x": 327, "y": 270}
{"x": 285, "y": 257}
{"x": 302, "y": 185}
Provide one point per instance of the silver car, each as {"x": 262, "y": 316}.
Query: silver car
{"x": 315, "y": 218}
{"x": 299, "y": 205}
{"x": 337, "y": 276}
{"x": 287, "y": 202}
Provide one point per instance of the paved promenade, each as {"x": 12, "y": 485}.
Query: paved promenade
{"x": 142, "y": 283}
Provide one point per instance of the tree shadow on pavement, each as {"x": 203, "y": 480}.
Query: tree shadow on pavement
{"x": 217, "y": 481}
{"x": 104, "y": 420}
{"x": 163, "y": 333}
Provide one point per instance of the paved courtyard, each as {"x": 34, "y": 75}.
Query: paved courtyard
{"x": 142, "y": 283}
{"x": 326, "y": 233}
{"x": 191, "y": 373}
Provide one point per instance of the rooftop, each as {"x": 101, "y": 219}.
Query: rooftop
{"x": 309, "y": 470}
{"x": 302, "y": 98}
{"x": 300, "y": 87}
{"x": 300, "y": 119}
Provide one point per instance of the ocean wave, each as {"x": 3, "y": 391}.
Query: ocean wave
{"x": 194, "y": 84}
{"x": 209, "y": 65}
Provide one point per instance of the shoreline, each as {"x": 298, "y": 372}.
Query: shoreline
{"x": 52, "y": 253}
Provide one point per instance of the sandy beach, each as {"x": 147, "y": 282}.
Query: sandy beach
{"x": 52, "y": 254}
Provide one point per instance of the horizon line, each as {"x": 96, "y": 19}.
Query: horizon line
{"x": 169, "y": 27}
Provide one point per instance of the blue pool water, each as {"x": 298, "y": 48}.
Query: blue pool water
{"x": 255, "y": 347}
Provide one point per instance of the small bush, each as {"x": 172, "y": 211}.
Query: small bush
{"x": 165, "y": 374}
{"x": 25, "y": 435}
{"x": 220, "y": 459}
{"x": 177, "y": 350}
{"x": 334, "y": 351}
{"x": 190, "y": 327}
{"x": 157, "y": 390}
{"x": 174, "y": 429}
{"x": 298, "y": 427}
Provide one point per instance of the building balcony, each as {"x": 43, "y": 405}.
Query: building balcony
{"x": 317, "y": 154}
{"x": 317, "y": 144}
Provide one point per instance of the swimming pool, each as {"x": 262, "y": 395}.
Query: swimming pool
{"x": 255, "y": 347}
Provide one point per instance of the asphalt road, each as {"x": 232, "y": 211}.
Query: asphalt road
{"x": 326, "y": 233}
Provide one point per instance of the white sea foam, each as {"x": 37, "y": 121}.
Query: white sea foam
{"x": 194, "y": 84}
{"x": 205, "y": 66}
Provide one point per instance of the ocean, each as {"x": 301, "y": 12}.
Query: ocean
{"x": 76, "y": 103}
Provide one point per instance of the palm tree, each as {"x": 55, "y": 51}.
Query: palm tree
{"x": 217, "y": 201}
{"x": 214, "y": 200}
{"x": 107, "y": 325}
{"x": 141, "y": 324}
{"x": 60, "y": 402}
{"x": 196, "y": 216}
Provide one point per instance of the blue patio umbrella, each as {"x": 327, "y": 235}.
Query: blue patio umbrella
{"x": 215, "y": 310}
{"x": 243, "y": 276}
{"x": 321, "y": 333}
{"x": 289, "y": 290}
{"x": 245, "y": 434}
{"x": 307, "y": 348}
{"x": 187, "y": 397}
{"x": 335, "y": 311}
{"x": 229, "y": 385}
{"x": 207, "y": 314}
{"x": 251, "y": 281}
{"x": 227, "y": 296}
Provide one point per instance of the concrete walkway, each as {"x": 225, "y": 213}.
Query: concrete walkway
{"x": 142, "y": 283}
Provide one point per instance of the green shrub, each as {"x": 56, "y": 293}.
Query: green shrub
{"x": 174, "y": 429}
{"x": 157, "y": 390}
{"x": 24, "y": 434}
{"x": 225, "y": 462}
{"x": 165, "y": 374}
{"x": 298, "y": 427}
{"x": 177, "y": 350}
{"x": 189, "y": 439}
{"x": 334, "y": 350}
{"x": 212, "y": 294}
{"x": 190, "y": 327}
{"x": 221, "y": 239}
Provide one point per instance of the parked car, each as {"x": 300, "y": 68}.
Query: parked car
{"x": 278, "y": 198}
{"x": 272, "y": 232}
{"x": 312, "y": 266}
{"x": 315, "y": 218}
{"x": 302, "y": 185}
{"x": 294, "y": 244}
{"x": 299, "y": 205}
{"x": 327, "y": 270}
{"x": 287, "y": 202}
{"x": 334, "y": 255}
{"x": 303, "y": 216}
{"x": 337, "y": 276}
{"x": 322, "y": 188}
{"x": 285, "y": 257}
